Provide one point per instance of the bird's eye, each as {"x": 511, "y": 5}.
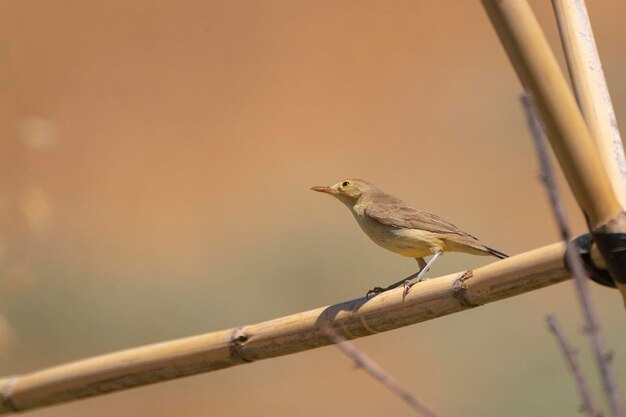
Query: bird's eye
{"x": 345, "y": 183}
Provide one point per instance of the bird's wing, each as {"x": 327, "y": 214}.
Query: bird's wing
{"x": 411, "y": 218}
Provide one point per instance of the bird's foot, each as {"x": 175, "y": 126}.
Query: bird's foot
{"x": 408, "y": 284}
{"x": 420, "y": 276}
{"x": 375, "y": 291}
{"x": 412, "y": 281}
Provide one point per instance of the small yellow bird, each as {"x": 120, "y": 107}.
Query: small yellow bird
{"x": 402, "y": 229}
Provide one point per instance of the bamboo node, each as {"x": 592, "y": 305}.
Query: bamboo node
{"x": 459, "y": 289}
{"x": 6, "y": 394}
{"x": 236, "y": 344}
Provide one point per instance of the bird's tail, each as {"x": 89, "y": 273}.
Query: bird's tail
{"x": 496, "y": 253}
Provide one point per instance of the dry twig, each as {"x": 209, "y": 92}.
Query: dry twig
{"x": 569, "y": 353}
{"x": 574, "y": 263}
{"x": 378, "y": 373}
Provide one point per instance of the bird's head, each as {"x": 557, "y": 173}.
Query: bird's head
{"x": 347, "y": 191}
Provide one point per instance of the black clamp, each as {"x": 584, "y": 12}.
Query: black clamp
{"x": 601, "y": 276}
{"x": 613, "y": 248}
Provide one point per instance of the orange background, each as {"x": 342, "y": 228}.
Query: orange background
{"x": 156, "y": 159}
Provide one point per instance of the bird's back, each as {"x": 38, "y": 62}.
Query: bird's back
{"x": 391, "y": 211}
{"x": 406, "y": 230}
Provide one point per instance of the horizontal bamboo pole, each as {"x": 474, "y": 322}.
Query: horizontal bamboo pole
{"x": 286, "y": 335}
{"x": 569, "y": 136}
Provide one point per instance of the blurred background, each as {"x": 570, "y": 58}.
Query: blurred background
{"x": 155, "y": 166}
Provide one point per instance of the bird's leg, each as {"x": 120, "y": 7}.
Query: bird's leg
{"x": 424, "y": 267}
{"x": 420, "y": 276}
{"x": 377, "y": 290}
{"x": 422, "y": 263}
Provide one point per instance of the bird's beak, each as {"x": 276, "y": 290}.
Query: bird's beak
{"x": 323, "y": 189}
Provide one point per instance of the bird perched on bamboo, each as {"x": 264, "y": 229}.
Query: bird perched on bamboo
{"x": 402, "y": 229}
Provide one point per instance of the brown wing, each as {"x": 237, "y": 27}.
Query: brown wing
{"x": 411, "y": 218}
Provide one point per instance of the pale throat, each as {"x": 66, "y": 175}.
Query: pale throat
{"x": 358, "y": 209}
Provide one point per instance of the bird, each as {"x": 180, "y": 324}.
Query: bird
{"x": 396, "y": 226}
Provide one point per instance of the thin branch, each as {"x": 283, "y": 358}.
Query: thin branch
{"x": 575, "y": 264}
{"x": 286, "y": 335}
{"x": 569, "y": 353}
{"x": 376, "y": 372}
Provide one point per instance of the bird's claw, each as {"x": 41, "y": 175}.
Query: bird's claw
{"x": 407, "y": 286}
{"x": 406, "y": 283}
{"x": 374, "y": 292}
{"x": 410, "y": 282}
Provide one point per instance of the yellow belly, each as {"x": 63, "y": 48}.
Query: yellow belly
{"x": 406, "y": 242}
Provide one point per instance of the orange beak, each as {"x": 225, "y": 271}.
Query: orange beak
{"x": 322, "y": 189}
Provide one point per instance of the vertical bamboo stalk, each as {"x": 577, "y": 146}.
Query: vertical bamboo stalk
{"x": 565, "y": 127}
{"x": 592, "y": 93}
{"x": 540, "y": 74}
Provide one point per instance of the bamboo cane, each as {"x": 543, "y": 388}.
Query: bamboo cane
{"x": 539, "y": 72}
{"x": 592, "y": 93}
{"x": 295, "y": 333}
{"x": 569, "y": 136}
